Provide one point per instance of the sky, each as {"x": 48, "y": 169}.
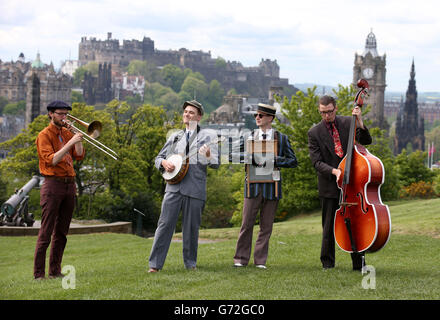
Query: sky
{"x": 313, "y": 41}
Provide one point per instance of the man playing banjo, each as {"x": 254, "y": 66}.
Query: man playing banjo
{"x": 187, "y": 193}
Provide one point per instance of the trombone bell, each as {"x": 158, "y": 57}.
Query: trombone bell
{"x": 93, "y": 129}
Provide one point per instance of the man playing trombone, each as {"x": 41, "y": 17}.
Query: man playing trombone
{"x": 57, "y": 146}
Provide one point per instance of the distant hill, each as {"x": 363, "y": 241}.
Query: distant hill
{"x": 421, "y": 96}
{"x": 320, "y": 88}
{"x": 389, "y": 95}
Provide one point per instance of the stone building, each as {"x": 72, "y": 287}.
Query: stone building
{"x": 125, "y": 85}
{"x": 237, "y": 109}
{"x": 13, "y": 79}
{"x": 430, "y": 111}
{"x": 98, "y": 90}
{"x": 410, "y": 128}
{"x": 35, "y": 82}
{"x": 371, "y": 66}
{"x": 231, "y": 110}
{"x": 253, "y": 81}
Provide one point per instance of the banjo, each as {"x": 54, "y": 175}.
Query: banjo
{"x": 181, "y": 164}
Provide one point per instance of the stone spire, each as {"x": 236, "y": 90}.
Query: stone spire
{"x": 409, "y": 126}
{"x": 371, "y": 45}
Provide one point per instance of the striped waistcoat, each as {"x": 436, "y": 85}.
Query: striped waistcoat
{"x": 285, "y": 158}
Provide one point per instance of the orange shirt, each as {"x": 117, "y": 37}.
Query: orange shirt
{"x": 49, "y": 141}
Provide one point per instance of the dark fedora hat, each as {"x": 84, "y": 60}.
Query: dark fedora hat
{"x": 267, "y": 109}
{"x": 58, "y": 104}
{"x": 195, "y": 104}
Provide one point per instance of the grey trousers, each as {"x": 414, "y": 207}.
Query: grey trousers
{"x": 172, "y": 204}
{"x": 267, "y": 209}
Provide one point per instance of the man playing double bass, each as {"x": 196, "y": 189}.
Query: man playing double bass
{"x": 328, "y": 142}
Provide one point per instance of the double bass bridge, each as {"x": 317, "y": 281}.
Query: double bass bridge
{"x": 348, "y": 204}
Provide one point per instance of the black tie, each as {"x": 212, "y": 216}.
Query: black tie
{"x": 264, "y": 136}
{"x": 187, "y": 143}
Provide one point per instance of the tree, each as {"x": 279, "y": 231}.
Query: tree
{"x": 15, "y": 108}
{"x": 194, "y": 88}
{"x": 22, "y": 161}
{"x": 78, "y": 75}
{"x": 137, "y": 68}
{"x": 133, "y": 180}
{"x": 215, "y": 95}
{"x": 220, "y": 202}
{"x": 300, "y": 192}
{"x": 382, "y": 148}
{"x": 158, "y": 95}
{"x": 411, "y": 167}
{"x": 76, "y": 97}
{"x": 173, "y": 76}
{"x": 146, "y": 69}
{"x": 3, "y": 103}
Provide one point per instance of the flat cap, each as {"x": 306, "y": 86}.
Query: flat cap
{"x": 58, "y": 104}
{"x": 195, "y": 104}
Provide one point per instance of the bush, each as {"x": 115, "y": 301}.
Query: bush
{"x": 220, "y": 203}
{"x": 420, "y": 189}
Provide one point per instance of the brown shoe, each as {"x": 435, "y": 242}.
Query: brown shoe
{"x": 153, "y": 270}
{"x": 39, "y": 278}
{"x": 54, "y": 276}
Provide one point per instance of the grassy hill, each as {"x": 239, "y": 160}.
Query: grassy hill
{"x": 114, "y": 266}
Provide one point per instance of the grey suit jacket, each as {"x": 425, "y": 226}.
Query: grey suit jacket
{"x": 194, "y": 182}
{"x": 322, "y": 152}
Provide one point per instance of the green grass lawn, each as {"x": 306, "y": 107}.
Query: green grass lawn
{"x": 114, "y": 266}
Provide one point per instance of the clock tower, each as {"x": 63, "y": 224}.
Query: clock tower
{"x": 371, "y": 66}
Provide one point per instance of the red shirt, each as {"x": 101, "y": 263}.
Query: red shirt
{"x": 50, "y": 140}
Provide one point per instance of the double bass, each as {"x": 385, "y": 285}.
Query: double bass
{"x": 362, "y": 222}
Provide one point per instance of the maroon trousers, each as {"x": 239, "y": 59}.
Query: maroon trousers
{"x": 57, "y": 200}
{"x": 267, "y": 209}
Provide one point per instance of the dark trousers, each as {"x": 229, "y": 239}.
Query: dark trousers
{"x": 329, "y": 207}
{"x": 251, "y": 206}
{"x": 57, "y": 200}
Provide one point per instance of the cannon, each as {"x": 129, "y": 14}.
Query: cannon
{"x": 15, "y": 211}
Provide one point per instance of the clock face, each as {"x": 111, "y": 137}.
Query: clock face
{"x": 368, "y": 73}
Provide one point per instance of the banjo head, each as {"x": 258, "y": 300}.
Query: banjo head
{"x": 176, "y": 160}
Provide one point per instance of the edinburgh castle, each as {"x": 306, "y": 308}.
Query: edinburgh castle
{"x": 253, "y": 81}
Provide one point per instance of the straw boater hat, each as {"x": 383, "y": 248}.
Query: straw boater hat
{"x": 195, "y": 104}
{"x": 267, "y": 109}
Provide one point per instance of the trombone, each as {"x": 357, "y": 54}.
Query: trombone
{"x": 93, "y": 131}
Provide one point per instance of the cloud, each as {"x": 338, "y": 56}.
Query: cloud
{"x": 312, "y": 41}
